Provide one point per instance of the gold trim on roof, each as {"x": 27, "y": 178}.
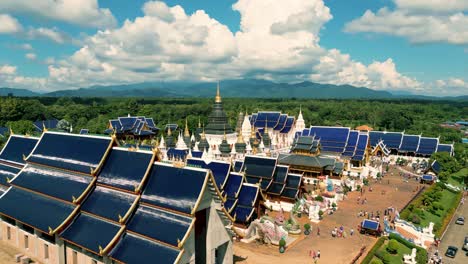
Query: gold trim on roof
{"x": 200, "y": 196}
{"x": 65, "y": 222}
{"x": 180, "y": 244}
{"x": 179, "y": 257}
{"x": 112, "y": 242}
{"x": 86, "y": 191}
{"x": 154, "y": 158}
{"x": 104, "y": 157}
{"x": 123, "y": 219}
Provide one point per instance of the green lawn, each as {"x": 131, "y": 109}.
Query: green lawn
{"x": 448, "y": 199}
{"x": 456, "y": 179}
{"x": 397, "y": 258}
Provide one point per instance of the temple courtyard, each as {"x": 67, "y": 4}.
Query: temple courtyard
{"x": 392, "y": 191}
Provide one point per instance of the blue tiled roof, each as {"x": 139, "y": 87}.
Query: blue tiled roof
{"x": 108, "y": 203}
{"x": 16, "y": 147}
{"x": 133, "y": 249}
{"x": 161, "y": 188}
{"x": 7, "y": 172}
{"x": 34, "y": 210}
{"x": 124, "y": 169}
{"x": 158, "y": 224}
{"x": 70, "y": 152}
{"x": 56, "y": 183}
{"x": 90, "y": 232}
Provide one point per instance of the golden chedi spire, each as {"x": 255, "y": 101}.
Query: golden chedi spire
{"x": 169, "y": 132}
{"x": 203, "y": 136}
{"x": 218, "y": 96}
{"x": 240, "y": 138}
{"x": 186, "y": 132}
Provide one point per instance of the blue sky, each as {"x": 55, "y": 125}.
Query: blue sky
{"x": 395, "y": 45}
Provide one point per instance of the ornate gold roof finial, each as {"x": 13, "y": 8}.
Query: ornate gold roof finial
{"x": 51, "y": 231}
{"x": 44, "y": 128}
{"x": 11, "y": 132}
{"x": 218, "y": 96}
{"x": 199, "y": 123}
{"x": 169, "y": 132}
{"x": 240, "y": 138}
{"x": 186, "y": 132}
{"x": 203, "y": 136}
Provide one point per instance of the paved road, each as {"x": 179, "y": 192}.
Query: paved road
{"x": 455, "y": 236}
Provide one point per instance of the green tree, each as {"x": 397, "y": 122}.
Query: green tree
{"x": 22, "y": 127}
{"x": 393, "y": 246}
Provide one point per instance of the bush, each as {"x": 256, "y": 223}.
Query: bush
{"x": 282, "y": 242}
{"x": 319, "y": 198}
{"x": 421, "y": 253}
{"x": 371, "y": 253}
{"x": 384, "y": 256}
{"x": 307, "y": 226}
{"x": 365, "y": 181}
{"x": 393, "y": 246}
{"x": 376, "y": 261}
{"x": 358, "y": 188}
{"x": 333, "y": 205}
{"x": 415, "y": 219}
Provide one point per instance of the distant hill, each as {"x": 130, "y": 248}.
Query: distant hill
{"x": 17, "y": 92}
{"x": 253, "y": 88}
{"x": 230, "y": 88}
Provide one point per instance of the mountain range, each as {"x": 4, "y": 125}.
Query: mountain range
{"x": 253, "y": 88}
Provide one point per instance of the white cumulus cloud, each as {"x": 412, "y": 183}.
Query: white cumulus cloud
{"x": 80, "y": 12}
{"x": 7, "y": 70}
{"x": 9, "y": 24}
{"x": 418, "y": 21}
{"x": 30, "y": 56}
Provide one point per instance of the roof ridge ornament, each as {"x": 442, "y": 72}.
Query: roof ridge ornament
{"x": 186, "y": 132}
{"x": 218, "y": 96}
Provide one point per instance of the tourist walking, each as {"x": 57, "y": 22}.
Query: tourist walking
{"x": 318, "y": 231}
{"x": 351, "y": 232}
{"x": 318, "y": 253}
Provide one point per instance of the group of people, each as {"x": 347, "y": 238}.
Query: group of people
{"x": 340, "y": 232}
{"x": 315, "y": 255}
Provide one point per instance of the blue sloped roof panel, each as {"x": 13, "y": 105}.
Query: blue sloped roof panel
{"x": 264, "y": 184}
{"x": 435, "y": 166}
{"x": 281, "y": 173}
{"x": 370, "y": 224}
{"x": 56, "y": 183}
{"x": 276, "y": 188}
{"x": 70, "y": 152}
{"x": 233, "y": 184}
{"x": 238, "y": 165}
{"x": 124, "y": 169}
{"x": 159, "y": 224}
{"x": 259, "y": 166}
{"x": 427, "y": 146}
{"x": 281, "y": 122}
{"x": 248, "y": 195}
{"x": 90, "y": 232}
{"x": 219, "y": 169}
{"x": 108, "y": 203}
{"x": 230, "y": 202}
{"x": 16, "y": 147}
{"x": 375, "y": 137}
{"x": 84, "y": 131}
{"x": 252, "y": 180}
{"x": 197, "y": 154}
{"x": 445, "y": 147}
{"x": 116, "y": 124}
{"x": 293, "y": 181}
{"x": 288, "y": 125}
{"x": 410, "y": 143}
{"x": 362, "y": 142}
{"x": 392, "y": 139}
{"x": 7, "y": 172}
{"x": 177, "y": 153}
{"x": 34, "y": 210}
{"x": 127, "y": 122}
{"x": 290, "y": 193}
{"x": 174, "y": 188}
{"x": 243, "y": 213}
{"x": 133, "y": 249}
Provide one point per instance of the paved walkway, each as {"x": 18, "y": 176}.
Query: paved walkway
{"x": 334, "y": 250}
{"x": 7, "y": 253}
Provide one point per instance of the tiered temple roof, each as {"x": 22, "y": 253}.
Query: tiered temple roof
{"x": 107, "y": 200}
{"x": 139, "y": 126}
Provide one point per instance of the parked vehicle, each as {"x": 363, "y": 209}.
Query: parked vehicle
{"x": 370, "y": 227}
{"x": 451, "y": 251}
{"x": 465, "y": 243}
{"x": 460, "y": 220}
